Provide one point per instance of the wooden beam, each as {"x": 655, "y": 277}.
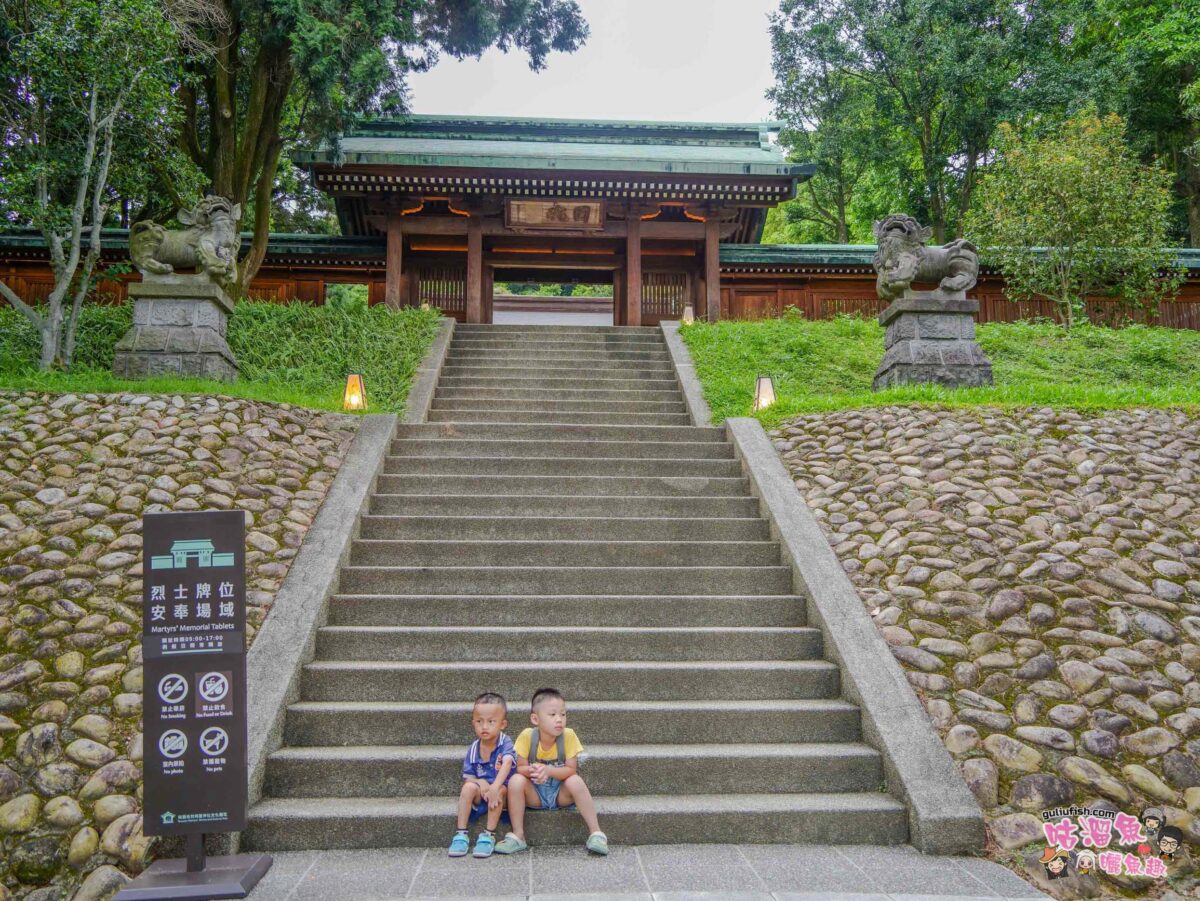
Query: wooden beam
{"x": 712, "y": 269}
{"x": 633, "y": 271}
{"x": 394, "y": 262}
{"x": 457, "y": 225}
{"x": 474, "y": 312}
{"x": 618, "y": 297}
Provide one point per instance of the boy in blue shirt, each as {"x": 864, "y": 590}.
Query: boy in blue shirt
{"x": 486, "y": 768}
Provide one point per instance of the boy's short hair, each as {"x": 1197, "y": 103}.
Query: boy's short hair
{"x": 490, "y": 697}
{"x": 545, "y": 694}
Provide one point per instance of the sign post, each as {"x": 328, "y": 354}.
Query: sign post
{"x": 194, "y": 703}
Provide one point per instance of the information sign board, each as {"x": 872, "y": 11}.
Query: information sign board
{"x": 194, "y": 691}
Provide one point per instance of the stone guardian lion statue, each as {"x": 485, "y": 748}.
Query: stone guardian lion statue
{"x": 209, "y": 244}
{"x": 903, "y": 258}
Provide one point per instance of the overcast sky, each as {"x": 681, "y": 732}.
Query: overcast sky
{"x": 689, "y": 60}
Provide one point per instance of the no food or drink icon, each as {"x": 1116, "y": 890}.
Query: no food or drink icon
{"x": 172, "y": 688}
{"x": 172, "y": 744}
{"x": 214, "y": 740}
{"x": 214, "y": 686}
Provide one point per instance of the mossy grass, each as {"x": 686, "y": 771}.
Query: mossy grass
{"x": 820, "y": 366}
{"x": 289, "y": 353}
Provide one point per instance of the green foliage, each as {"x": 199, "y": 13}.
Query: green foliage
{"x": 347, "y": 297}
{"x": 85, "y": 90}
{"x": 829, "y": 365}
{"x": 290, "y": 72}
{"x": 1072, "y": 213}
{"x": 296, "y": 353}
{"x": 913, "y": 85}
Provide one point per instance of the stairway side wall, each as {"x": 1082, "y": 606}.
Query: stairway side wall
{"x": 943, "y": 816}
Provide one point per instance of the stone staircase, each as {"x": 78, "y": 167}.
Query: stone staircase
{"x": 558, "y": 521}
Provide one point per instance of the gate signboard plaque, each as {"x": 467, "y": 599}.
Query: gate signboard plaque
{"x": 194, "y": 701}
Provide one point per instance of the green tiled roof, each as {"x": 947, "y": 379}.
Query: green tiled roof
{"x": 115, "y": 241}
{"x": 687, "y": 148}
{"x": 784, "y": 255}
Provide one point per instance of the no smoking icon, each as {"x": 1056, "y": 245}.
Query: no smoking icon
{"x": 214, "y": 686}
{"x": 172, "y": 688}
{"x": 214, "y": 740}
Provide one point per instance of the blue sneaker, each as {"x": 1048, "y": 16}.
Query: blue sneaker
{"x": 460, "y": 844}
{"x": 485, "y": 844}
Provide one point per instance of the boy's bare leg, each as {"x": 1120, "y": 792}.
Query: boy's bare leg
{"x": 493, "y": 814}
{"x": 574, "y": 789}
{"x": 521, "y": 794}
{"x": 467, "y": 798}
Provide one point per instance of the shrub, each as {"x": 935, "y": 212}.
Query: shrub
{"x": 302, "y": 348}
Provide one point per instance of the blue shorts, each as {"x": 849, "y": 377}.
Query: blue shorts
{"x": 547, "y": 792}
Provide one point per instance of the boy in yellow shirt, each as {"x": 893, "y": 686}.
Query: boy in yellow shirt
{"x": 551, "y": 781}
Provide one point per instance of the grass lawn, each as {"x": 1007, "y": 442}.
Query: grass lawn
{"x": 829, "y": 365}
{"x": 288, "y": 353}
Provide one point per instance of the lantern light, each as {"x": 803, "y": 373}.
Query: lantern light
{"x": 356, "y": 393}
{"x": 689, "y": 314}
{"x": 764, "y": 392}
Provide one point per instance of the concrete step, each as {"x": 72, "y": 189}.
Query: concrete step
{"x": 380, "y": 643}
{"x": 851, "y": 818}
{"x": 584, "y": 417}
{"x": 669, "y": 394}
{"x": 471, "y": 580}
{"x": 558, "y": 466}
{"x": 566, "y": 371}
{"x": 565, "y": 486}
{"x": 476, "y": 402}
{"x": 610, "y": 770}
{"x": 563, "y": 610}
{"x": 551, "y": 357}
{"x": 549, "y": 332}
{"x": 604, "y": 506}
{"x": 564, "y": 341}
{"x": 546, "y": 367}
{"x": 562, "y": 528}
{"x": 561, "y": 449}
{"x": 553, "y": 387}
{"x": 442, "y": 552}
{"x": 343, "y": 680}
{"x": 536, "y": 432}
{"x": 611, "y": 722}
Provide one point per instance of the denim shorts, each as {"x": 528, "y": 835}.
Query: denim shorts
{"x": 548, "y": 793}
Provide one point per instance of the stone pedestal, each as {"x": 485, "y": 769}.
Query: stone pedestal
{"x": 179, "y": 325}
{"x": 931, "y": 340}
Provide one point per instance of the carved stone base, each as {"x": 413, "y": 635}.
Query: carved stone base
{"x": 179, "y": 325}
{"x": 931, "y": 340}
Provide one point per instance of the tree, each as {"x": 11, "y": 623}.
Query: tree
{"x": 84, "y": 110}
{"x": 1073, "y": 212}
{"x": 1161, "y": 42}
{"x": 828, "y": 114}
{"x": 321, "y": 64}
{"x": 937, "y": 74}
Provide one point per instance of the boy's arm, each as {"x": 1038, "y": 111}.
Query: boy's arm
{"x": 523, "y": 766}
{"x": 564, "y": 772}
{"x": 506, "y": 766}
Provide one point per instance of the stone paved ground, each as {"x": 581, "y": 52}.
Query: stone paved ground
{"x": 1037, "y": 574}
{"x": 659, "y": 872}
{"x": 76, "y": 475}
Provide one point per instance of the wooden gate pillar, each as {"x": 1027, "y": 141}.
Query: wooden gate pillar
{"x": 633, "y": 269}
{"x": 712, "y": 268}
{"x": 393, "y": 288}
{"x": 474, "y": 304}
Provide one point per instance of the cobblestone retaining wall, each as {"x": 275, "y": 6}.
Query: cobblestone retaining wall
{"x": 1037, "y": 574}
{"x": 76, "y": 475}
